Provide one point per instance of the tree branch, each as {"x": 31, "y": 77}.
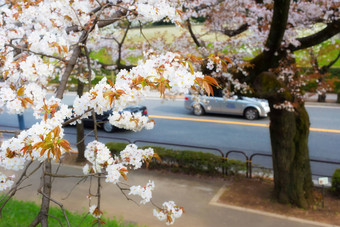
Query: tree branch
{"x": 235, "y": 32}
{"x": 193, "y": 36}
{"x": 120, "y": 44}
{"x": 272, "y": 54}
{"x": 37, "y": 53}
{"x": 75, "y": 118}
{"x": 328, "y": 32}
{"x": 59, "y": 204}
{"x": 333, "y": 62}
{"x": 278, "y": 25}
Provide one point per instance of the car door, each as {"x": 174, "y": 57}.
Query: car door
{"x": 233, "y": 105}
{"x": 215, "y": 103}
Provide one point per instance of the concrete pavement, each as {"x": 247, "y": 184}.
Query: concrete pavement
{"x": 198, "y": 196}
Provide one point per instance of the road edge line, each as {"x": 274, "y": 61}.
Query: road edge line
{"x": 214, "y": 202}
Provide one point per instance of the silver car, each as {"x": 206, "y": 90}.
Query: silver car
{"x": 250, "y": 108}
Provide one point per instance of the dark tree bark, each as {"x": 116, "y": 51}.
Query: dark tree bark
{"x": 80, "y": 129}
{"x": 288, "y": 130}
{"x": 289, "y": 139}
{"x": 338, "y": 98}
{"x": 322, "y": 97}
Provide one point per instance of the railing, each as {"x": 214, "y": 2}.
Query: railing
{"x": 225, "y": 156}
{"x": 2, "y": 132}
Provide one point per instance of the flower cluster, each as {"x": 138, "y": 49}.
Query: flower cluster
{"x": 284, "y": 106}
{"x": 156, "y": 10}
{"x": 95, "y": 212}
{"x": 169, "y": 212}
{"x": 135, "y": 157}
{"x": 5, "y": 182}
{"x": 115, "y": 167}
{"x": 144, "y": 192}
{"x": 98, "y": 155}
{"x": 42, "y": 141}
{"x": 131, "y": 121}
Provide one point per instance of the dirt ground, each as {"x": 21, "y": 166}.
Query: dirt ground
{"x": 257, "y": 194}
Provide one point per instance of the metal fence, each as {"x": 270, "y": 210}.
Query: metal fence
{"x": 6, "y": 134}
{"x": 224, "y": 155}
{"x": 248, "y": 159}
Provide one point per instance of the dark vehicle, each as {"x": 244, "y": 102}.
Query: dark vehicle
{"x": 104, "y": 122}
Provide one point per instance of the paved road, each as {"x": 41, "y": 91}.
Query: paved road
{"x": 231, "y": 134}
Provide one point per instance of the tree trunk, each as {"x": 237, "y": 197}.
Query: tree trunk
{"x": 322, "y": 97}
{"x": 46, "y": 181}
{"x": 80, "y": 129}
{"x": 338, "y": 98}
{"x": 289, "y": 139}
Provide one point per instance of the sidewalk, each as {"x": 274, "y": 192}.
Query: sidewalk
{"x": 198, "y": 196}
{"x": 312, "y": 99}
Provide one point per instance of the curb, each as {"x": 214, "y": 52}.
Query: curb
{"x": 214, "y": 202}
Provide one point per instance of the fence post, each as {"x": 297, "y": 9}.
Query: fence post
{"x": 21, "y": 121}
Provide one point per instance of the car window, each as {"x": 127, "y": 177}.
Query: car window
{"x": 218, "y": 92}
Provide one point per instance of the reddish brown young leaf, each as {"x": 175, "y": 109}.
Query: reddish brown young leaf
{"x": 228, "y": 59}
{"x": 211, "y": 81}
{"x": 156, "y": 156}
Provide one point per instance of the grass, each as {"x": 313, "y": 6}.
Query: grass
{"x": 170, "y": 32}
{"x": 327, "y": 51}
{"x": 19, "y": 213}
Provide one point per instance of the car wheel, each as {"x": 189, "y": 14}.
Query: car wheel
{"x": 251, "y": 113}
{"x": 198, "y": 110}
{"x": 108, "y": 127}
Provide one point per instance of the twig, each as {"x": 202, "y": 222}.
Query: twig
{"x": 12, "y": 192}
{"x": 24, "y": 187}
{"x": 90, "y": 186}
{"x": 99, "y": 197}
{"x": 74, "y": 176}
{"x": 95, "y": 125}
{"x": 87, "y": 55}
{"x": 141, "y": 31}
{"x": 74, "y": 186}
{"x": 99, "y": 3}
{"x": 61, "y": 224}
{"x": 57, "y": 170}
{"x": 37, "y": 53}
{"x": 84, "y": 137}
{"x": 154, "y": 204}
{"x": 83, "y": 219}
{"x": 120, "y": 44}
{"x": 35, "y": 170}
{"x": 126, "y": 196}
{"x": 75, "y": 13}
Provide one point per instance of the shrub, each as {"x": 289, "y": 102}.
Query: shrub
{"x": 186, "y": 161}
{"x": 336, "y": 182}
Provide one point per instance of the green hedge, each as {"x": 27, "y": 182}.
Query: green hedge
{"x": 336, "y": 182}
{"x": 185, "y": 161}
